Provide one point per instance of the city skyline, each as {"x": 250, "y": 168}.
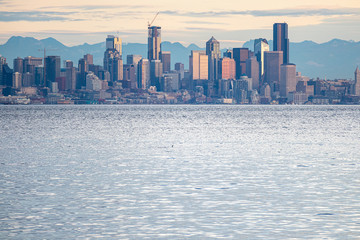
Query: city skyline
{"x": 185, "y": 22}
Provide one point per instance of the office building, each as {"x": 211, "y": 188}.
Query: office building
{"x": 272, "y": 63}
{"x": 143, "y": 74}
{"x": 113, "y": 64}
{"x": 227, "y": 68}
{"x": 114, "y": 43}
{"x": 198, "y": 65}
{"x": 52, "y": 69}
{"x": 214, "y": 54}
{"x": 89, "y": 59}
{"x": 133, "y": 59}
{"x": 253, "y": 72}
{"x": 357, "y": 82}
{"x": 260, "y": 46}
{"x": 287, "y": 79}
{"x": 16, "y": 81}
{"x": 154, "y": 43}
{"x": 156, "y": 73}
{"x": 281, "y": 40}
{"x": 129, "y": 78}
{"x": 165, "y": 58}
{"x": 18, "y": 65}
{"x": 240, "y": 56}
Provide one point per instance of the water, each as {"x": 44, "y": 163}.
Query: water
{"x": 180, "y": 172}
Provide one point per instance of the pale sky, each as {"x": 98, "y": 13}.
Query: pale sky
{"x": 232, "y": 22}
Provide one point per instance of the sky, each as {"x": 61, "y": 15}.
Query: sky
{"x": 232, "y": 22}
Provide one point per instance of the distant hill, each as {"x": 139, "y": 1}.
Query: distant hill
{"x": 335, "y": 59}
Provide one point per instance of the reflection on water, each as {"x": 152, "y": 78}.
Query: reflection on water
{"x": 175, "y": 172}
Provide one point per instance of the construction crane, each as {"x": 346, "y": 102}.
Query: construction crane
{"x": 149, "y": 24}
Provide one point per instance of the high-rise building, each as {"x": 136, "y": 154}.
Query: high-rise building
{"x": 83, "y": 69}
{"x": 240, "y": 55}
{"x": 272, "y": 63}
{"x": 70, "y": 75}
{"x": 260, "y": 46}
{"x": 114, "y": 43}
{"x": 129, "y": 79}
{"x": 154, "y": 43}
{"x": 32, "y": 61}
{"x": 113, "y": 64}
{"x": 16, "y": 80}
{"x": 252, "y": 71}
{"x": 287, "y": 79}
{"x": 214, "y": 54}
{"x": 156, "y": 73}
{"x": 133, "y": 59}
{"x": 52, "y": 69}
{"x": 165, "y": 58}
{"x": 198, "y": 65}
{"x": 357, "y": 82}
{"x": 180, "y": 68}
{"x": 143, "y": 74}
{"x": 113, "y": 58}
{"x": 227, "y": 68}
{"x": 19, "y": 65}
{"x": 228, "y": 53}
{"x": 89, "y": 59}
{"x": 281, "y": 40}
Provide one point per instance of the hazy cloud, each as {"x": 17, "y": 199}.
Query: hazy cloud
{"x": 270, "y": 13}
{"x": 35, "y": 16}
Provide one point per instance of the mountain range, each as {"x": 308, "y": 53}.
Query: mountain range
{"x": 336, "y": 59}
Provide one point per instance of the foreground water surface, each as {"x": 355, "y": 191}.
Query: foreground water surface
{"x": 180, "y": 172}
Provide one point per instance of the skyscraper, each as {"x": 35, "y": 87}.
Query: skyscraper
{"x": 240, "y": 55}
{"x": 260, "y": 46}
{"x": 155, "y": 73}
{"x": 154, "y": 43}
{"x": 281, "y": 40}
{"x": 198, "y": 65}
{"x": 113, "y": 42}
{"x": 357, "y": 82}
{"x": 272, "y": 63}
{"x": 19, "y": 65}
{"x": 213, "y": 52}
{"x": 143, "y": 74}
{"x": 227, "y": 68}
{"x": 165, "y": 58}
{"x": 52, "y": 66}
{"x": 287, "y": 79}
{"x": 252, "y": 71}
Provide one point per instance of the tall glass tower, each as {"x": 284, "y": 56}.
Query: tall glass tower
{"x": 281, "y": 40}
{"x": 154, "y": 43}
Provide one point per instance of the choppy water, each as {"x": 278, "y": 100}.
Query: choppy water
{"x": 180, "y": 172}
